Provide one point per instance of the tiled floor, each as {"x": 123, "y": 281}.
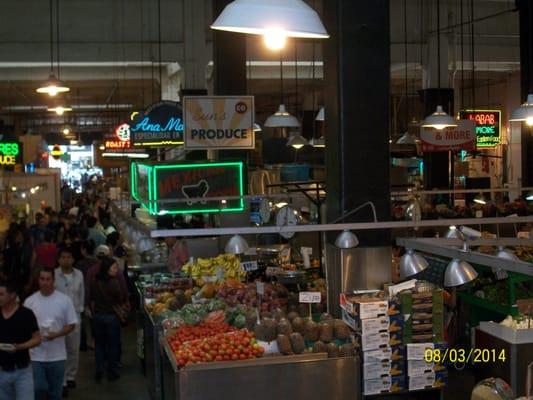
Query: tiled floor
{"x": 131, "y": 385}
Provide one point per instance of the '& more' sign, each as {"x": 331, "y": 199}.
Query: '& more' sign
{"x": 461, "y": 137}
{"x": 488, "y": 126}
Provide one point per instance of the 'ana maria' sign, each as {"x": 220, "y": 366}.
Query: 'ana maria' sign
{"x": 160, "y": 125}
{"x": 488, "y": 126}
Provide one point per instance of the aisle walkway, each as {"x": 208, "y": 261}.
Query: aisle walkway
{"x": 131, "y": 385}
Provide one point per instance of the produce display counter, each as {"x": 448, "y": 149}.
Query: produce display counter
{"x": 309, "y": 377}
{"x": 517, "y": 346}
{"x": 152, "y": 355}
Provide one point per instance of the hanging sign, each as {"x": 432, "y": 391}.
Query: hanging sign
{"x": 462, "y": 137}
{"x": 10, "y": 153}
{"x": 488, "y": 126}
{"x": 189, "y": 184}
{"x": 219, "y": 122}
{"x": 160, "y": 125}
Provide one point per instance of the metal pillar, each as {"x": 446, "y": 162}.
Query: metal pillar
{"x": 356, "y": 79}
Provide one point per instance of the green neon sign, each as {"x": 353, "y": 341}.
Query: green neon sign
{"x": 190, "y": 181}
{"x": 488, "y": 126}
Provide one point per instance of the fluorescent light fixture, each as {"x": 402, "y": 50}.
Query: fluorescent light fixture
{"x": 458, "y": 272}
{"x": 274, "y": 19}
{"x": 60, "y": 110}
{"x": 126, "y": 155}
{"x": 346, "y": 240}
{"x": 412, "y": 263}
{"x": 439, "y": 120}
{"x": 282, "y": 119}
{"x": 480, "y": 199}
{"x": 320, "y": 116}
{"x": 524, "y": 113}
{"x": 297, "y": 141}
{"x": 52, "y": 86}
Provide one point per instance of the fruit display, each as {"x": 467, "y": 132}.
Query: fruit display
{"x": 233, "y": 293}
{"x": 213, "y": 342}
{"x": 194, "y": 314}
{"x": 229, "y": 264}
{"x": 168, "y": 301}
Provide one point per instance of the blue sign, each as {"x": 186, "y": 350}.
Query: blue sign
{"x": 160, "y": 125}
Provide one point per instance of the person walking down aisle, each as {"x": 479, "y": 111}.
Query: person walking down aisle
{"x": 107, "y": 307}
{"x": 69, "y": 281}
{"x": 56, "y": 318}
{"x": 19, "y": 332}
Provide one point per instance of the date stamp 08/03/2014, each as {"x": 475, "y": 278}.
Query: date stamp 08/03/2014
{"x": 473, "y": 355}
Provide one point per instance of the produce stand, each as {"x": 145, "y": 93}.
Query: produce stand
{"x": 309, "y": 376}
{"x": 152, "y": 355}
{"x": 518, "y": 347}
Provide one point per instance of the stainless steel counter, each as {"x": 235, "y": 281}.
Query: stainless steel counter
{"x": 309, "y": 377}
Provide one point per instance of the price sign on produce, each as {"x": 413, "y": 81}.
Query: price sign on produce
{"x": 249, "y": 266}
{"x": 310, "y": 297}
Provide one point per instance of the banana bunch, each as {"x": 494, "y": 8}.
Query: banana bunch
{"x": 229, "y": 263}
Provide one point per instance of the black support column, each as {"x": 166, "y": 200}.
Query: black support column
{"x": 356, "y": 75}
{"x": 526, "y": 71}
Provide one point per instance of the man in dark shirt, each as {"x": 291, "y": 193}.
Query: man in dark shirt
{"x": 19, "y": 332}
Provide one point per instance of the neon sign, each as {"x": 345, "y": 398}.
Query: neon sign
{"x": 488, "y": 126}
{"x": 189, "y": 184}
{"x": 160, "y": 125}
{"x": 10, "y": 153}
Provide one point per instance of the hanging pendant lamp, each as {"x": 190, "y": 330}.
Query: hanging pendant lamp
{"x": 439, "y": 120}
{"x": 459, "y": 272}
{"x": 320, "y": 116}
{"x": 407, "y": 139}
{"x": 52, "y": 86}
{"x": 320, "y": 142}
{"x": 282, "y": 119}
{"x": 412, "y": 263}
{"x": 276, "y": 20}
{"x": 346, "y": 240}
{"x": 524, "y": 113}
{"x": 297, "y": 141}
{"x": 60, "y": 109}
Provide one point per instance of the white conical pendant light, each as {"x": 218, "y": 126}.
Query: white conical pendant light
{"x": 407, "y": 138}
{"x": 524, "y": 113}
{"x": 439, "y": 120}
{"x": 275, "y": 19}
{"x": 297, "y": 141}
{"x": 320, "y": 116}
{"x": 282, "y": 119}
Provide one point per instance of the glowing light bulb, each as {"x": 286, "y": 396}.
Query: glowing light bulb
{"x": 440, "y": 127}
{"x": 529, "y": 121}
{"x": 275, "y": 38}
{"x": 52, "y": 90}
{"x": 297, "y": 146}
{"x": 66, "y": 131}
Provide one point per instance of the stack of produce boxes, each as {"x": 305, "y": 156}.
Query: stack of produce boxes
{"x": 424, "y": 337}
{"x": 377, "y": 326}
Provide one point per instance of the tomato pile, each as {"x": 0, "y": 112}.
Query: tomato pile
{"x": 225, "y": 345}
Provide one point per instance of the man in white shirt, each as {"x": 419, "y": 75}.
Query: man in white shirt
{"x": 56, "y": 318}
{"x": 69, "y": 281}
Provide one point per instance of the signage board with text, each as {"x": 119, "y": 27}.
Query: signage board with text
{"x": 219, "y": 122}
{"x": 10, "y": 154}
{"x": 462, "y": 137}
{"x": 118, "y": 144}
{"x": 488, "y": 126}
{"x": 160, "y": 125}
{"x": 189, "y": 184}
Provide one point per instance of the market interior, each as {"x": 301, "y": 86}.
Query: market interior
{"x": 215, "y": 199}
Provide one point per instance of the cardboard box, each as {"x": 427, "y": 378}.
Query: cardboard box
{"x": 376, "y": 370}
{"x": 372, "y": 342}
{"x": 361, "y": 308}
{"x": 398, "y": 353}
{"x": 376, "y": 386}
{"x": 419, "y": 367}
{"x": 416, "y": 351}
{"x": 398, "y": 383}
{"x": 396, "y": 323}
{"x": 373, "y": 326}
{"x": 428, "y": 380}
{"x": 378, "y": 355}
{"x": 396, "y": 338}
{"x": 398, "y": 367}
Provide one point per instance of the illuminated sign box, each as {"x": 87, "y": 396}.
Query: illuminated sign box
{"x": 488, "y": 126}
{"x": 10, "y": 153}
{"x": 188, "y": 184}
{"x": 160, "y": 125}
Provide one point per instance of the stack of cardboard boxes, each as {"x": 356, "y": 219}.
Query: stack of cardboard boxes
{"x": 377, "y": 326}
{"x": 423, "y": 334}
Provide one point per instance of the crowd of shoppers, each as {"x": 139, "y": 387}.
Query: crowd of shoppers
{"x": 62, "y": 280}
